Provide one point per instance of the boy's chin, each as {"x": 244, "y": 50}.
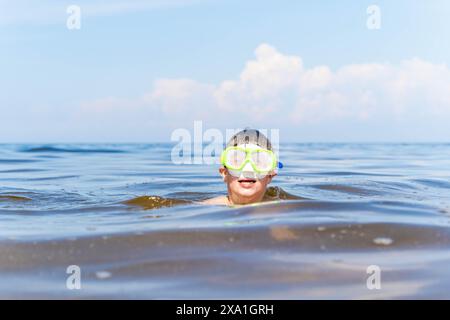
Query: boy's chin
{"x": 247, "y": 192}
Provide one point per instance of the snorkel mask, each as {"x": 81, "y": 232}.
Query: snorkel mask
{"x": 249, "y": 160}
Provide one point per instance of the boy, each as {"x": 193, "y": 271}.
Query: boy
{"x": 248, "y": 166}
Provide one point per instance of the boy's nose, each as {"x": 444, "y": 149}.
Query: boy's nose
{"x": 248, "y": 167}
{"x": 248, "y": 172}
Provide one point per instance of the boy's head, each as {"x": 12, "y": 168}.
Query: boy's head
{"x": 248, "y": 166}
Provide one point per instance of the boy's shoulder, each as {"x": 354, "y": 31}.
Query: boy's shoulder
{"x": 220, "y": 200}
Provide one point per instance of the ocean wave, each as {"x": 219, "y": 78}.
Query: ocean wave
{"x": 49, "y": 149}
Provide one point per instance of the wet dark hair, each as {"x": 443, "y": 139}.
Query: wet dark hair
{"x": 252, "y": 136}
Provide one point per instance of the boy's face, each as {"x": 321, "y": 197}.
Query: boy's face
{"x": 244, "y": 190}
{"x": 245, "y": 187}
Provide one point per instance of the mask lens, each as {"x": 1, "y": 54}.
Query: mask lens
{"x": 234, "y": 158}
{"x": 262, "y": 160}
{"x": 247, "y": 174}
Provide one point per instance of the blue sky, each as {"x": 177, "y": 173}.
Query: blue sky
{"x": 137, "y": 70}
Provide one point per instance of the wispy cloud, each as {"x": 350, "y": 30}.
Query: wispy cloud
{"x": 54, "y": 11}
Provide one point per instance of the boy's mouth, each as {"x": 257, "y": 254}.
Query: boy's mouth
{"x": 246, "y": 182}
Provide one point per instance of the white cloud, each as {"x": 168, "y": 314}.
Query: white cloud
{"x": 275, "y": 89}
{"x": 261, "y": 84}
{"x": 179, "y": 96}
{"x": 274, "y": 84}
